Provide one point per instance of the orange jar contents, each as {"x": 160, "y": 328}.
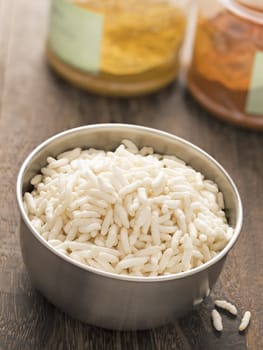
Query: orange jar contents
{"x": 116, "y": 47}
{"x": 226, "y": 73}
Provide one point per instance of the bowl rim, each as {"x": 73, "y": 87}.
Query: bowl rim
{"x": 130, "y": 278}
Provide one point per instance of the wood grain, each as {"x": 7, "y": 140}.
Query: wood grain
{"x": 35, "y": 104}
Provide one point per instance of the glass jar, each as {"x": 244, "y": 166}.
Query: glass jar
{"x": 226, "y": 73}
{"x": 116, "y": 47}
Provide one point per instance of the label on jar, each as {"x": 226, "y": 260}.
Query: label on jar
{"x": 75, "y": 35}
{"x": 254, "y": 103}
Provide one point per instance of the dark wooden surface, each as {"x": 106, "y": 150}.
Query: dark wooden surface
{"x": 35, "y": 104}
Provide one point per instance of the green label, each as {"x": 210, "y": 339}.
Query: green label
{"x": 254, "y": 103}
{"x": 75, "y": 35}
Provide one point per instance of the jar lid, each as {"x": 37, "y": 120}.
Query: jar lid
{"x": 247, "y": 12}
{"x": 253, "y": 4}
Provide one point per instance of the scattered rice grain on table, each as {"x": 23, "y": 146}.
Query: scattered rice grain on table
{"x": 245, "y": 321}
{"x": 223, "y": 304}
{"x": 217, "y": 320}
{"x": 128, "y": 211}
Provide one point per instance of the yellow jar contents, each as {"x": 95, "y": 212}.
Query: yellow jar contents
{"x": 139, "y": 48}
{"x": 220, "y": 75}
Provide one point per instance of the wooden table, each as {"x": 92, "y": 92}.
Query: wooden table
{"x": 35, "y": 104}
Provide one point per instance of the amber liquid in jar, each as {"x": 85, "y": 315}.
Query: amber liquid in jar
{"x": 139, "y": 49}
{"x": 220, "y": 74}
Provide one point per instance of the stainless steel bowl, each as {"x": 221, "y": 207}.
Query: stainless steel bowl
{"x": 110, "y": 300}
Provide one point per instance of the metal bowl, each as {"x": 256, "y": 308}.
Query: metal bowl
{"x": 105, "y": 299}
